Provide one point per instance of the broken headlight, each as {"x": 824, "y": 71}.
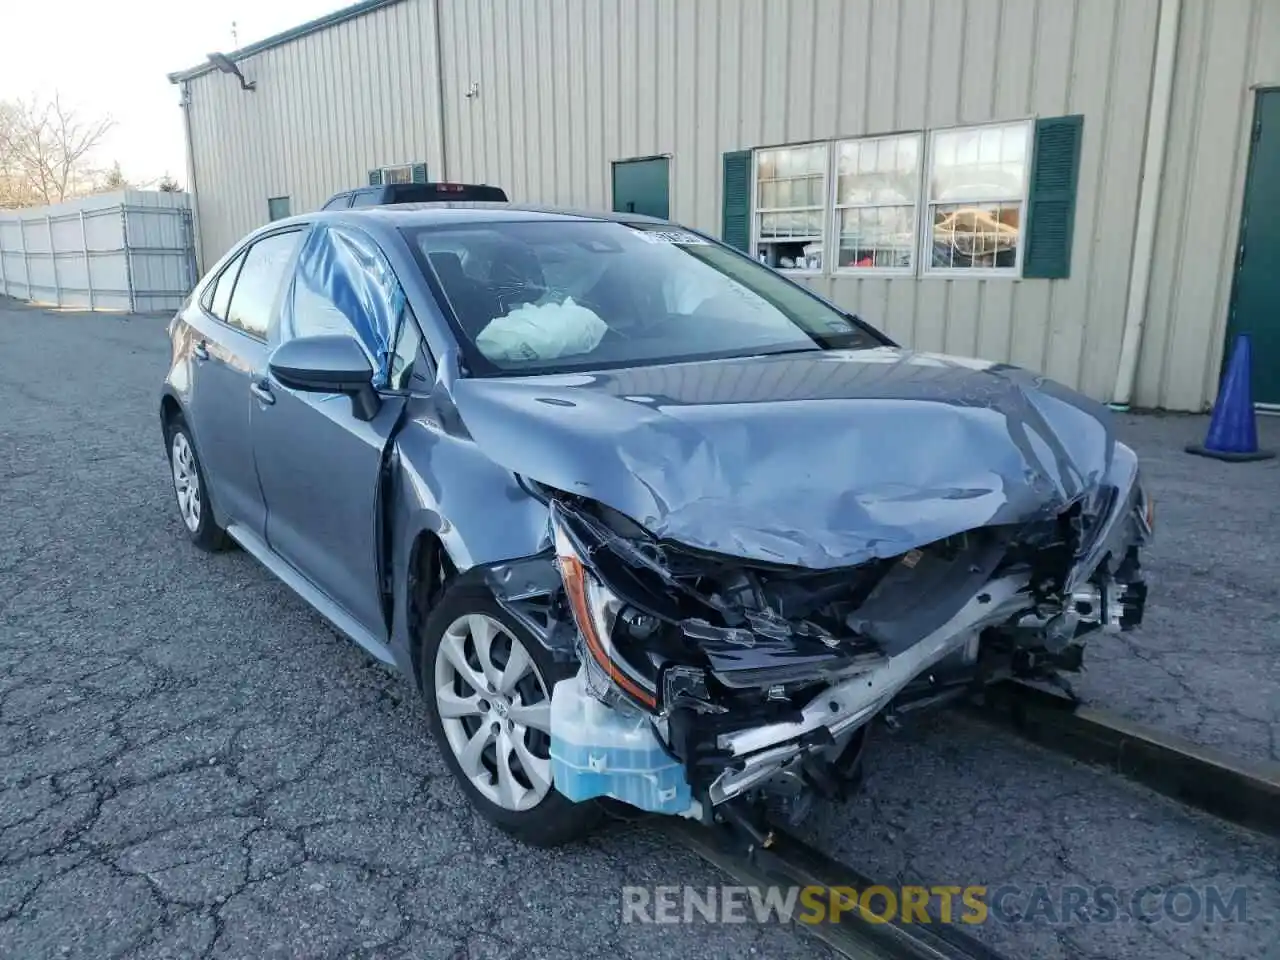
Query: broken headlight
{"x": 595, "y": 610}
{"x": 1145, "y": 507}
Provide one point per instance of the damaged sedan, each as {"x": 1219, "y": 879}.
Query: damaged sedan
{"x": 641, "y": 518}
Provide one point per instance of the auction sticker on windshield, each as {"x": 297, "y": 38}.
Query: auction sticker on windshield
{"x": 668, "y": 236}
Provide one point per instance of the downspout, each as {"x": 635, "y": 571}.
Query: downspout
{"x": 444, "y": 151}
{"x": 185, "y": 103}
{"x": 1144, "y": 240}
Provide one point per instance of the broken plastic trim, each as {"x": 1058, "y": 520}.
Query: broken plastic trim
{"x": 655, "y": 600}
{"x": 836, "y": 711}
{"x": 1128, "y": 519}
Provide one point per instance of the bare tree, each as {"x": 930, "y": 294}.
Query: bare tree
{"x": 46, "y": 151}
{"x": 12, "y": 192}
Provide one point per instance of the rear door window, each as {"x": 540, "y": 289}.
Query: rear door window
{"x": 258, "y": 287}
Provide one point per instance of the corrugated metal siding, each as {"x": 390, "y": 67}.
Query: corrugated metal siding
{"x": 1225, "y": 48}
{"x": 567, "y": 86}
{"x": 329, "y": 107}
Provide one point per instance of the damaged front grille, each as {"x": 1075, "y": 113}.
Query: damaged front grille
{"x": 743, "y": 632}
{"x": 747, "y": 671}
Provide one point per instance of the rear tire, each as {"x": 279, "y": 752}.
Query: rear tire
{"x": 487, "y": 683}
{"x": 191, "y": 488}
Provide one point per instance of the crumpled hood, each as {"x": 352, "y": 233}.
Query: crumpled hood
{"x": 819, "y": 459}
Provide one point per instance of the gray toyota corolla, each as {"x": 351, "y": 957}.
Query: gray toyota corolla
{"x": 640, "y": 517}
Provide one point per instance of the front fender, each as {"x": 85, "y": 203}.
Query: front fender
{"x": 170, "y": 398}
{"x": 445, "y": 488}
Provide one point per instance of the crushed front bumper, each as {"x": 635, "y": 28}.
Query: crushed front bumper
{"x": 755, "y": 754}
{"x": 733, "y": 711}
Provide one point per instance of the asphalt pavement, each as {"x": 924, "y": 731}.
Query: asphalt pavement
{"x": 193, "y": 763}
{"x": 1205, "y": 664}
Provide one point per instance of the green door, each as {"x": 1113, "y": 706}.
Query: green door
{"x": 1255, "y": 301}
{"x": 643, "y": 186}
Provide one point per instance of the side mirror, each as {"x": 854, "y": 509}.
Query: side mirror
{"x": 328, "y": 364}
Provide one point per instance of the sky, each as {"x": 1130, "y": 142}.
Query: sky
{"x": 111, "y": 57}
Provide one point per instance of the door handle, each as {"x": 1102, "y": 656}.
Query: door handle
{"x": 200, "y": 351}
{"x": 262, "y": 390}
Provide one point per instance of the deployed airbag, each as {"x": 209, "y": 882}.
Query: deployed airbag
{"x": 542, "y": 332}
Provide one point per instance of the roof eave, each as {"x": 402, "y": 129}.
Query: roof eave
{"x": 279, "y": 39}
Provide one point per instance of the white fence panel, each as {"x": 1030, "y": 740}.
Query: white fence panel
{"x": 132, "y": 250}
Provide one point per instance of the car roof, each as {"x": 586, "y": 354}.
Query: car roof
{"x": 395, "y": 216}
{"x": 444, "y": 212}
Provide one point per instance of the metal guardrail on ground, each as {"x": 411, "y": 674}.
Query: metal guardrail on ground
{"x": 1242, "y": 791}
{"x": 791, "y": 863}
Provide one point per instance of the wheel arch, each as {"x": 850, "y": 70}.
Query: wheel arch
{"x": 428, "y": 570}
{"x": 170, "y": 409}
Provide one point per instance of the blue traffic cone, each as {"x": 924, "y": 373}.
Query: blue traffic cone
{"x": 1233, "y": 431}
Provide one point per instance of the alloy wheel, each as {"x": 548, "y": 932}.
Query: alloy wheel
{"x": 495, "y": 711}
{"x": 186, "y": 480}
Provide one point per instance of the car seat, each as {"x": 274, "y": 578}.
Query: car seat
{"x": 472, "y": 302}
{"x": 515, "y": 275}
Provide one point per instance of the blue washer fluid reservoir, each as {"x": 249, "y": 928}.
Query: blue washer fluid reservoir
{"x": 599, "y": 751}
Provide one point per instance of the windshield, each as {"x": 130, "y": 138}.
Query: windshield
{"x": 556, "y": 295}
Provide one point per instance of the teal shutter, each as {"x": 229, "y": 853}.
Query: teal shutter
{"x": 1051, "y": 205}
{"x": 735, "y": 223}
{"x": 419, "y": 173}
{"x": 375, "y": 178}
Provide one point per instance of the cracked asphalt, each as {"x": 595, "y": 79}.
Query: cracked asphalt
{"x": 192, "y": 763}
{"x": 950, "y": 800}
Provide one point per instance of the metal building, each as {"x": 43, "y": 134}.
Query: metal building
{"x": 1084, "y": 187}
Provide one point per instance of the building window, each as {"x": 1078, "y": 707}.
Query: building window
{"x": 977, "y": 186}
{"x": 791, "y": 205}
{"x": 402, "y": 173}
{"x": 942, "y": 202}
{"x": 277, "y": 208}
{"x": 877, "y": 182}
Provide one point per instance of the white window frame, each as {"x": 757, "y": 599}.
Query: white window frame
{"x": 405, "y": 169}
{"x": 912, "y": 269}
{"x": 824, "y": 207}
{"x": 921, "y": 266}
{"x": 924, "y": 245}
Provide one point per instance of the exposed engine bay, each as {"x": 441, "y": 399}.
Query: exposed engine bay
{"x": 713, "y": 687}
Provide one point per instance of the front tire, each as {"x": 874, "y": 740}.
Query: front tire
{"x": 488, "y": 685}
{"x": 191, "y": 489}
